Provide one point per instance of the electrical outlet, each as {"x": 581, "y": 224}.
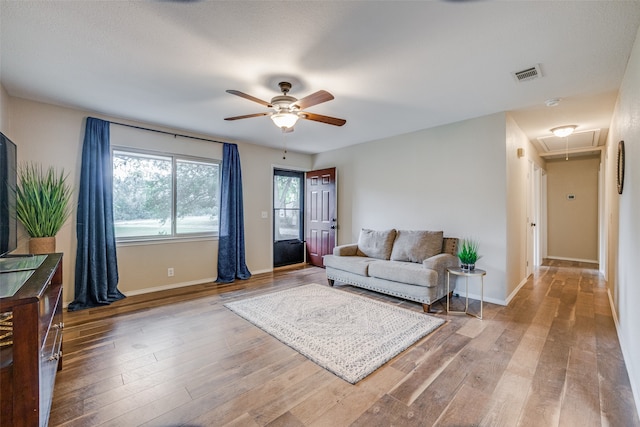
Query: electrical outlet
{"x": 170, "y": 272}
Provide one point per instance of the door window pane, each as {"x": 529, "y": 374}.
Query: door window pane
{"x": 287, "y": 224}
{"x": 286, "y": 192}
{"x": 287, "y": 202}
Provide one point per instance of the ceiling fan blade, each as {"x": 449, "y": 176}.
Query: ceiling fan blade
{"x": 246, "y": 116}
{"x": 249, "y": 97}
{"x": 324, "y": 119}
{"x": 314, "y": 99}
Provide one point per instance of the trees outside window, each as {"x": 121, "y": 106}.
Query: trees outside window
{"x": 287, "y": 205}
{"x": 159, "y": 195}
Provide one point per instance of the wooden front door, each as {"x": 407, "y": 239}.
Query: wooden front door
{"x": 321, "y": 214}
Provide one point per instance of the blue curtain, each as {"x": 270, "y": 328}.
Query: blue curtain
{"x": 96, "y": 264}
{"x": 231, "y": 255}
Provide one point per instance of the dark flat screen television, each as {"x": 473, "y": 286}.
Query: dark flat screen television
{"x": 8, "y": 179}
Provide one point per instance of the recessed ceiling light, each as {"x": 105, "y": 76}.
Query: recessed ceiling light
{"x": 552, "y": 102}
{"x": 562, "y": 131}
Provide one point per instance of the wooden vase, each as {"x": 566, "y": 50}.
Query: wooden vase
{"x": 42, "y": 245}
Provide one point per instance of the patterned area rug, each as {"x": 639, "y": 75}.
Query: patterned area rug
{"x": 349, "y": 335}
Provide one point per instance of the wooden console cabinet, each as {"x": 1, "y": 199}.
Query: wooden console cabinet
{"x": 28, "y": 366}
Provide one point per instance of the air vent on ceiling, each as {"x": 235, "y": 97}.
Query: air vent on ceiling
{"x": 528, "y": 74}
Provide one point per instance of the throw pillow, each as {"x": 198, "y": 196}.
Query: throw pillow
{"x": 376, "y": 244}
{"x": 416, "y": 246}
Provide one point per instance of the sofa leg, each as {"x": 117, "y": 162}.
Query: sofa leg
{"x": 331, "y": 282}
{"x": 426, "y": 308}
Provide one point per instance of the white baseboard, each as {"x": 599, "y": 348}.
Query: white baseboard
{"x": 266, "y": 270}
{"x": 625, "y": 354}
{"x": 183, "y": 284}
{"x": 515, "y": 291}
{"x": 170, "y": 286}
{"x": 462, "y": 294}
{"x": 160, "y": 288}
{"x": 494, "y": 300}
{"x": 173, "y": 286}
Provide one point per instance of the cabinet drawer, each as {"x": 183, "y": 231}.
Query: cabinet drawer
{"x": 52, "y": 343}
{"x": 49, "y": 307}
{"x": 51, "y": 350}
{"x": 49, "y": 300}
{"x": 49, "y": 359}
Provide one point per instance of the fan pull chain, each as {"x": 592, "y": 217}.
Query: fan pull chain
{"x": 284, "y": 146}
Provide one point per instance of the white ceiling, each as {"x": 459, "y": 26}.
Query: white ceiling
{"x": 393, "y": 67}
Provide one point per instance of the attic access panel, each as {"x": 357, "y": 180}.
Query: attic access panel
{"x": 578, "y": 140}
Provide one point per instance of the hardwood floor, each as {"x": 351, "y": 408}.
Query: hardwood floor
{"x": 551, "y": 358}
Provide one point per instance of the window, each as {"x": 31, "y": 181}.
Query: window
{"x": 164, "y": 195}
{"x": 288, "y": 204}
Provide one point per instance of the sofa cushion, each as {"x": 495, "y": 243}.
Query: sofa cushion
{"x": 376, "y": 244}
{"x": 450, "y": 245}
{"x": 346, "y": 250}
{"x": 353, "y": 264}
{"x": 404, "y": 272}
{"x": 416, "y": 245}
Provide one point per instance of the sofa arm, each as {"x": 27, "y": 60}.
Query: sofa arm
{"x": 346, "y": 250}
{"x": 440, "y": 262}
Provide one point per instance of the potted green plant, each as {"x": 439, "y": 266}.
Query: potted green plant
{"x": 468, "y": 254}
{"x": 42, "y": 205}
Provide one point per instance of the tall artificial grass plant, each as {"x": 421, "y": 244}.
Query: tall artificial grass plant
{"x": 42, "y": 200}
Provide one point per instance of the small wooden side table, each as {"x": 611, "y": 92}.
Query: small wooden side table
{"x": 457, "y": 271}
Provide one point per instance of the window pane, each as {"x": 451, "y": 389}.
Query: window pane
{"x": 287, "y": 224}
{"x": 286, "y": 192}
{"x": 141, "y": 195}
{"x": 197, "y": 197}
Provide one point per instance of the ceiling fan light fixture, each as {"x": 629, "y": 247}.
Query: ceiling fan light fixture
{"x": 284, "y": 120}
{"x": 562, "y": 131}
{"x": 287, "y": 109}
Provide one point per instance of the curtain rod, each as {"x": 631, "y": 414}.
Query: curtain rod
{"x": 166, "y": 133}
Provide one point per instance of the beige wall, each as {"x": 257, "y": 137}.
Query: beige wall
{"x": 53, "y": 135}
{"x": 622, "y": 213}
{"x": 472, "y": 202}
{"x": 573, "y": 224}
{"x": 4, "y": 112}
{"x": 449, "y": 178}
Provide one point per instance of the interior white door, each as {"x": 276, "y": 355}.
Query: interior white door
{"x": 534, "y": 257}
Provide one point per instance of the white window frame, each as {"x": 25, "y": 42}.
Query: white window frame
{"x": 175, "y": 157}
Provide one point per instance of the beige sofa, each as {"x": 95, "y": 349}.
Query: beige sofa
{"x": 410, "y": 264}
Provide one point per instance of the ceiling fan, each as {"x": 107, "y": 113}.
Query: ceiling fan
{"x": 287, "y": 109}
